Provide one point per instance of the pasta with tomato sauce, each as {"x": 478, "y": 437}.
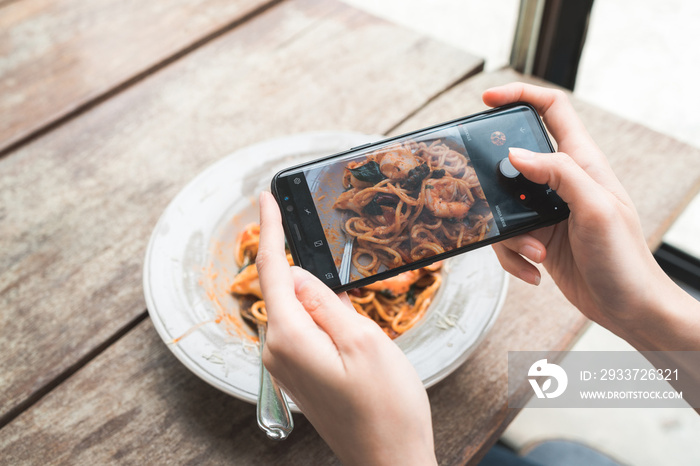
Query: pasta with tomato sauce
{"x": 395, "y": 304}
{"x": 410, "y": 201}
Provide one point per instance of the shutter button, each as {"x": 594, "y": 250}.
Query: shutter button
{"x": 507, "y": 169}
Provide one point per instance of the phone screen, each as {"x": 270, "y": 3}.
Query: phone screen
{"x": 380, "y": 209}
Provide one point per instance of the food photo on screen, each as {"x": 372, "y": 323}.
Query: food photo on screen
{"x": 403, "y": 202}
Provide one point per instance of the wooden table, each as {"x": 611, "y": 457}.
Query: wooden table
{"x": 108, "y": 108}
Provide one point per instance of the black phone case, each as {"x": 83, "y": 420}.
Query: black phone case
{"x": 429, "y": 260}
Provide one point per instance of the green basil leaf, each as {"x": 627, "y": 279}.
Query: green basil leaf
{"x": 373, "y": 208}
{"x": 368, "y": 172}
{"x": 411, "y": 295}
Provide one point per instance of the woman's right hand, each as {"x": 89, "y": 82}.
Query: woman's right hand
{"x": 598, "y": 257}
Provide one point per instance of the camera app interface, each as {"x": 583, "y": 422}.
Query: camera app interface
{"x": 417, "y": 197}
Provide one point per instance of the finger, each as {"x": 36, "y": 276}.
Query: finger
{"x": 515, "y": 265}
{"x": 552, "y": 104}
{"x": 325, "y": 307}
{"x": 527, "y": 246}
{"x": 562, "y": 174}
{"x": 276, "y": 279}
{"x": 563, "y": 122}
{"x": 346, "y": 299}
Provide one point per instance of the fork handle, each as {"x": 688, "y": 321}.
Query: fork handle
{"x": 274, "y": 416}
{"x": 344, "y": 272}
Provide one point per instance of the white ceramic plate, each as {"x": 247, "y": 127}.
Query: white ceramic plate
{"x": 189, "y": 265}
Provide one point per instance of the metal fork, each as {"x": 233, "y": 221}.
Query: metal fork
{"x": 346, "y": 261}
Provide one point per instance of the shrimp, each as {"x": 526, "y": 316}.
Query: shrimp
{"x": 448, "y": 198}
{"x": 248, "y": 281}
{"x": 247, "y": 243}
{"x": 402, "y": 282}
{"x": 434, "y": 267}
{"x": 396, "y": 161}
{"x": 397, "y": 285}
{"x": 346, "y": 201}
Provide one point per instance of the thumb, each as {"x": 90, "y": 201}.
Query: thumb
{"x": 334, "y": 314}
{"x": 562, "y": 174}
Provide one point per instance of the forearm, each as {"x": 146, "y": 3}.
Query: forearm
{"x": 670, "y": 337}
{"x": 670, "y": 320}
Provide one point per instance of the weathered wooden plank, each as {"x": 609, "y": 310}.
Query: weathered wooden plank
{"x": 470, "y": 408}
{"x": 136, "y": 404}
{"x": 57, "y": 57}
{"x": 78, "y": 205}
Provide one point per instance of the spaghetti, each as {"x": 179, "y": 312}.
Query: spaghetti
{"x": 410, "y": 201}
{"x": 395, "y": 304}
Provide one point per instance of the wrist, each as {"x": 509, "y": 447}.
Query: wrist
{"x": 421, "y": 452}
{"x": 669, "y": 319}
{"x": 406, "y": 442}
{"x": 406, "y": 456}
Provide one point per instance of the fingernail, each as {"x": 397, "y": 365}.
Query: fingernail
{"x": 531, "y": 253}
{"x": 531, "y": 277}
{"x": 521, "y": 154}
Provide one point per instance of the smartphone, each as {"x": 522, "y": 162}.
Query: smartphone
{"x": 380, "y": 209}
